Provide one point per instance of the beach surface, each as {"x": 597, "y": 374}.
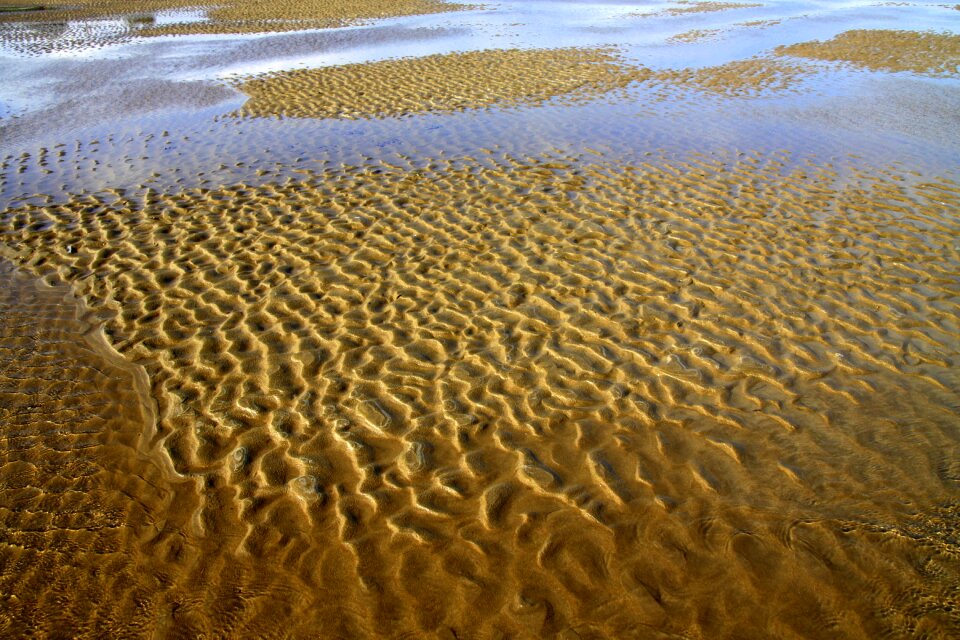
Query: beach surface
{"x": 404, "y": 318}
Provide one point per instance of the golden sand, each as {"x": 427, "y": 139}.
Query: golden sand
{"x": 696, "y": 35}
{"x": 688, "y": 7}
{"x": 487, "y": 397}
{"x": 493, "y": 78}
{"x": 239, "y": 16}
{"x": 78, "y": 9}
{"x": 760, "y": 24}
{"x": 98, "y": 534}
{"x": 540, "y": 396}
{"x": 82, "y": 504}
{"x": 739, "y": 78}
{"x": 440, "y": 83}
{"x": 691, "y": 6}
{"x": 884, "y": 50}
{"x": 288, "y": 15}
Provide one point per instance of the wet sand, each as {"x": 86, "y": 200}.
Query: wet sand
{"x": 439, "y": 84}
{"x": 575, "y": 383}
{"x": 84, "y": 500}
{"x": 508, "y": 408}
{"x": 882, "y": 50}
{"x": 234, "y": 16}
{"x": 498, "y": 78}
{"x": 688, "y": 6}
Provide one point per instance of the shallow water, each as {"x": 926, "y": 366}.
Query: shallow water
{"x": 163, "y": 91}
{"x": 669, "y": 358}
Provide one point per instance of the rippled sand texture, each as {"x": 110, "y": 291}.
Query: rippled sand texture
{"x": 740, "y": 78}
{"x": 80, "y": 503}
{"x": 495, "y": 78}
{"x": 78, "y": 9}
{"x": 288, "y": 15}
{"x": 536, "y": 396}
{"x": 690, "y": 6}
{"x": 233, "y": 16}
{"x": 88, "y": 24}
{"x": 884, "y": 50}
{"x": 440, "y": 83}
{"x": 687, "y": 7}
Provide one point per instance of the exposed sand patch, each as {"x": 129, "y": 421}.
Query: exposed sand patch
{"x": 80, "y": 9}
{"x": 760, "y": 24}
{"x": 235, "y": 16}
{"x": 534, "y": 395}
{"x": 493, "y": 78}
{"x": 740, "y": 78}
{"x": 91, "y": 24}
{"x": 440, "y": 83}
{"x": 691, "y": 6}
{"x": 696, "y": 35}
{"x": 288, "y": 15}
{"x": 885, "y": 50}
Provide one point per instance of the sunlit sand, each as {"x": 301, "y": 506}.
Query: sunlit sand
{"x": 416, "y": 319}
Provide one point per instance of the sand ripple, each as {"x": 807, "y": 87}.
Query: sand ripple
{"x": 886, "y": 50}
{"x": 230, "y": 16}
{"x": 440, "y": 83}
{"x": 495, "y": 78}
{"x": 84, "y": 508}
{"x": 536, "y": 396}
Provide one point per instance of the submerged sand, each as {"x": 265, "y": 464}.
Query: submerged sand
{"x": 688, "y": 7}
{"x": 85, "y": 508}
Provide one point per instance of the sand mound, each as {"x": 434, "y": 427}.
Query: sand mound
{"x": 884, "y": 50}
{"x": 85, "y": 509}
{"x": 691, "y": 6}
{"x": 696, "y": 35}
{"x": 493, "y": 78}
{"x": 440, "y": 83}
{"x": 231, "y": 16}
{"x": 540, "y": 396}
{"x": 740, "y": 78}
